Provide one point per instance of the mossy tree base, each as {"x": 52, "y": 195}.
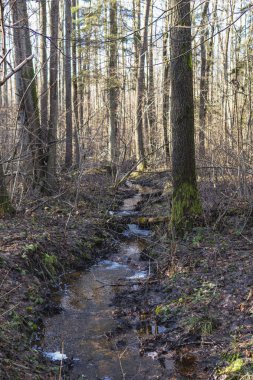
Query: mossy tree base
{"x": 5, "y": 206}
{"x": 186, "y": 208}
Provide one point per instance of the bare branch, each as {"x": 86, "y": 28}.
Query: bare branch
{"x": 16, "y": 69}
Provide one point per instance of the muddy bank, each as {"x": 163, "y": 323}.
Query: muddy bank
{"x": 51, "y": 236}
{"x": 191, "y": 318}
{"x": 113, "y": 323}
{"x": 87, "y": 334}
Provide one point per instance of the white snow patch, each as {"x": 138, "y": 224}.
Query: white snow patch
{"x": 55, "y": 356}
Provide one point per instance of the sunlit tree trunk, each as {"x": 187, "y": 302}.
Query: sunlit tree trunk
{"x": 140, "y": 152}
{"x": 166, "y": 89}
{"x": 113, "y": 87}
{"x": 203, "y": 82}
{"x": 27, "y": 89}
{"x": 185, "y": 201}
{"x": 137, "y": 36}
{"x": 68, "y": 84}
{"x": 75, "y": 85}
{"x": 151, "y": 91}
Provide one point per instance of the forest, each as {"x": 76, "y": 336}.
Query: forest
{"x": 126, "y": 198}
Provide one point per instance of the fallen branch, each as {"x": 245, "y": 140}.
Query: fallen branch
{"x": 16, "y": 69}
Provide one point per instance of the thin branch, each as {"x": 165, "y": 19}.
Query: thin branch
{"x": 16, "y": 69}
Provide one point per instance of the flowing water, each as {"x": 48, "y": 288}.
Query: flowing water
{"x": 99, "y": 344}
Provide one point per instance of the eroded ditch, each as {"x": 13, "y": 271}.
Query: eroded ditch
{"x": 91, "y": 338}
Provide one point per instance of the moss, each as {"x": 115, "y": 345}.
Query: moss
{"x": 186, "y": 207}
{"x": 141, "y": 167}
{"x": 190, "y": 63}
{"x": 142, "y": 220}
{"x": 135, "y": 174}
{"x": 50, "y": 262}
{"x": 29, "y": 76}
{"x": 235, "y": 366}
{"x": 5, "y": 206}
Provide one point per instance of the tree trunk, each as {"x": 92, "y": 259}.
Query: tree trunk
{"x": 140, "y": 153}
{"x": 75, "y": 87}
{"x": 166, "y": 88}
{"x": 44, "y": 86}
{"x": 68, "y": 84}
{"x": 44, "y": 75}
{"x": 203, "y": 83}
{"x": 151, "y": 92}
{"x": 113, "y": 88}
{"x": 186, "y": 204}
{"x": 5, "y": 204}
{"x": 53, "y": 112}
{"x": 27, "y": 89}
{"x": 137, "y": 36}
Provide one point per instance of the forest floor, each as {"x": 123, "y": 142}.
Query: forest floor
{"x": 201, "y": 291}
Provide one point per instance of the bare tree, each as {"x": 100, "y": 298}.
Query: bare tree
{"x": 151, "y": 99}
{"x": 186, "y": 204}
{"x": 140, "y": 152}
{"x": 68, "y": 84}
{"x": 75, "y": 4}
{"x": 166, "y": 88}
{"x": 203, "y": 82}
{"x": 27, "y": 90}
{"x": 53, "y": 111}
{"x": 113, "y": 88}
{"x": 44, "y": 71}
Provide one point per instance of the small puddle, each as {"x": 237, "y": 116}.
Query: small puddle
{"x": 100, "y": 345}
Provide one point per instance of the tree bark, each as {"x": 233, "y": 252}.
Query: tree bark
{"x": 27, "y": 89}
{"x": 44, "y": 70}
{"x": 75, "y": 86}
{"x": 53, "y": 111}
{"x": 151, "y": 92}
{"x": 140, "y": 152}
{"x": 68, "y": 84}
{"x": 186, "y": 204}
{"x": 166, "y": 88}
{"x": 5, "y": 204}
{"x": 113, "y": 88}
{"x": 203, "y": 83}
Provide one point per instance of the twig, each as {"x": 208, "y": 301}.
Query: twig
{"x": 8, "y": 311}
{"x": 60, "y": 371}
{"x": 5, "y": 294}
{"x": 45, "y": 201}
{"x": 16, "y": 69}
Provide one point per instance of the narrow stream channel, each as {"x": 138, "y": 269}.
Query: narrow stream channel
{"x": 87, "y": 331}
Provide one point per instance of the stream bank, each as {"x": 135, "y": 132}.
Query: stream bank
{"x": 48, "y": 237}
{"x": 113, "y": 323}
{"x": 88, "y": 334}
{"x": 192, "y": 319}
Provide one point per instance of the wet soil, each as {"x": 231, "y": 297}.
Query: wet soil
{"x": 149, "y": 307}
{"x": 108, "y": 327}
{"x": 88, "y": 330}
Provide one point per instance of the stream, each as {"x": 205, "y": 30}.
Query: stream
{"x": 88, "y": 333}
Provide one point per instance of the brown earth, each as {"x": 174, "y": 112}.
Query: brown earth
{"x": 202, "y": 293}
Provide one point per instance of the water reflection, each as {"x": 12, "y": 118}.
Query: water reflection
{"x": 107, "y": 349}
{"x": 135, "y": 230}
{"x": 87, "y": 328}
